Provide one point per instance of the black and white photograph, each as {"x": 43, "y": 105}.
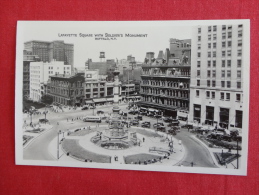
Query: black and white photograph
{"x": 170, "y": 96}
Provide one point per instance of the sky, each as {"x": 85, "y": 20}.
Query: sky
{"x": 158, "y": 35}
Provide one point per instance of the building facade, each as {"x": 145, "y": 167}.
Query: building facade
{"x": 40, "y": 73}
{"x": 49, "y": 51}
{"x": 27, "y": 59}
{"x": 97, "y": 90}
{"x": 165, "y": 83}
{"x": 216, "y": 76}
{"x": 67, "y": 89}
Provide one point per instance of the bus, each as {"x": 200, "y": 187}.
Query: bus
{"x": 96, "y": 119}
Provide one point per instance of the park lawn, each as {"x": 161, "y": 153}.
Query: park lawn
{"x": 140, "y": 157}
{"x": 147, "y": 133}
{"x": 72, "y": 147}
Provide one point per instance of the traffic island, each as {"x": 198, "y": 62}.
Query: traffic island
{"x": 225, "y": 158}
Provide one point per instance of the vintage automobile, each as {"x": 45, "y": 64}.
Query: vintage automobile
{"x": 43, "y": 120}
{"x": 138, "y": 118}
{"x": 116, "y": 109}
{"x": 158, "y": 125}
{"x": 146, "y": 124}
{"x": 134, "y": 122}
{"x": 100, "y": 112}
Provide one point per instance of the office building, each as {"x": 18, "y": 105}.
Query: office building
{"x": 216, "y": 88}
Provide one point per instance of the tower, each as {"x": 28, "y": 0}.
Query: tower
{"x": 116, "y": 86}
{"x": 102, "y": 56}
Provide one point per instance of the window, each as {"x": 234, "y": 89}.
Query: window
{"x": 208, "y": 73}
{"x": 209, "y": 37}
{"x": 198, "y": 73}
{"x": 229, "y": 27}
{"x": 208, "y": 83}
{"x": 239, "y": 63}
{"x": 229, "y": 53}
{"x": 199, "y": 54}
{"x": 228, "y": 84}
{"x": 239, "y": 52}
{"x": 199, "y": 38}
{"x": 229, "y": 43}
{"x": 199, "y": 46}
{"x": 227, "y": 96}
{"x": 229, "y": 73}
{"x": 222, "y": 96}
{"x": 223, "y": 53}
{"x": 223, "y": 36}
{"x": 223, "y": 73}
{"x": 199, "y": 30}
{"x": 209, "y": 28}
{"x": 214, "y": 45}
{"x": 214, "y": 36}
{"x": 214, "y": 54}
{"x": 229, "y": 63}
{"x": 224, "y": 27}
{"x": 209, "y": 54}
{"x": 198, "y": 63}
{"x": 207, "y": 94}
{"x": 213, "y": 83}
{"x": 223, "y": 63}
{"x": 214, "y": 63}
{"x": 239, "y": 74}
{"x": 239, "y": 43}
{"x": 240, "y": 26}
{"x": 240, "y": 33}
{"x": 229, "y": 34}
{"x": 209, "y": 62}
{"x": 214, "y": 73}
{"x": 209, "y": 45}
{"x": 197, "y": 93}
{"x": 238, "y": 97}
{"x": 214, "y": 28}
{"x": 222, "y": 84}
{"x": 223, "y": 44}
{"x": 198, "y": 83}
{"x": 239, "y": 85}
{"x": 212, "y": 95}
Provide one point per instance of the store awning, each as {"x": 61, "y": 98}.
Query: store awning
{"x": 109, "y": 99}
{"x": 99, "y": 100}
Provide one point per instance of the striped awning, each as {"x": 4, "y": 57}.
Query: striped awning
{"x": 100, "y": 100}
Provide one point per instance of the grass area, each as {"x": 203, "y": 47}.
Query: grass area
{"x": 140, "y": 157}
{"x": 147, "y": 133}
{"x": 26, "y": 138}
{"x": 27, "y": 104}
{"x": 225, "y": 158}
{"x": 81, "y": 132}
{"x": 74, "y": 149}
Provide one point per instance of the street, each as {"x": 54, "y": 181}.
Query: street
{"x": 196, "y": 153}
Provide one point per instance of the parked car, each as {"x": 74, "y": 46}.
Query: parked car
{"x": 161, "y": 128}
{"x": 158, "y": 125}
{"x": 167, "y": 119}
{"x": 116, "y": 109}
{"x": 133, "y": 112}
{"x": 143, "y": 113}
{"x": 134, "y": 122}
{"x": 174, "y": 122}
{"x": 146, "y": 124}
{"x": 201, "y": 130}
{"x": 190, "y": 126}
{"x": 138, "y": 118}
{"x": 92, "y": 107}
{"x": 227, "y": 138}
{"x": 43, "y": 120}
{"x": 100, "y": 112}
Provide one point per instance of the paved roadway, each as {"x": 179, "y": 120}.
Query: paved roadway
{"x": 38, "y": 149}
{"x": 195, "y": 151}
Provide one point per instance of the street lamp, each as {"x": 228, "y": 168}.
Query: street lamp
{"x": 237, "y": 154}
{"x": 59, "y": 132}
{"x": 157, "y": 116}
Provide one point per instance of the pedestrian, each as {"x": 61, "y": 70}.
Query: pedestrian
{"x": 67, "y": 119}
{"x": 57, "y": 123}
{"x": 143, "y": 139}
{"x": 188, "y": 128}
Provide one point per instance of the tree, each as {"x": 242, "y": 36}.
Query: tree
{"x": 47, "y": 99}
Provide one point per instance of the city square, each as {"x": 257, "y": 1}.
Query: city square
{"x": 183, "y": 106}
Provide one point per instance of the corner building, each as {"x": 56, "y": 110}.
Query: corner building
{"x": 216, "y": 88}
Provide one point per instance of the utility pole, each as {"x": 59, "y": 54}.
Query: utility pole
{"x": 58, "y": 144}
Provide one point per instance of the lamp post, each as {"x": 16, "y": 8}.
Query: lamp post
{"x": 237, "y": 154}
{"x": 59, "y": 132}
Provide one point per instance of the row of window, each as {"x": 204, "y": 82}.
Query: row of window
{"x": 223, "y": 96}
{"x": 223, "y": 63}
{"x": 224, "y": 44}
{"x": 223, "y": 53}
{"x": 224, "y": 84}
{"x": 212, "y": 73}
{"x": 224, "y": 27}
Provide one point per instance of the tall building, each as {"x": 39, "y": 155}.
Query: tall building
{"x": 165, "y": 82}
{"x": 40, "y": 73}
{"x": 216, "y": 88}
{"x": 67, "y": 89}
{"x": 27, "y": 59}
{"x": 48, "y": 51}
